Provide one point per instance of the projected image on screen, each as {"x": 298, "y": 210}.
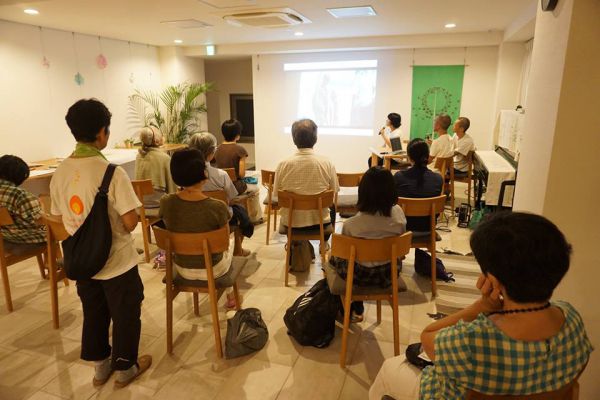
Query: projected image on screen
{"x": 338, "y": 96}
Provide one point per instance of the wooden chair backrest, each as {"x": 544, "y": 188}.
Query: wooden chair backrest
{"x": 218, "y": 195}
{"x": 444, "y": 164}
{"x": 5, "y": 218}
{"x": 424, "y": 207}
{"x": 192, "y": 244}
{"x": 349, "y": 180}
{"x": 56, "y": 228}
{"x": 231, "y": 173}
{"x": 305, "y": 201}
{"x": 45, "y": 202}
{"x": 568, "y": 392}
{"x": 267, "y": 178}
{"x": 367, "y": 250}
{"x": 142, "y": 188}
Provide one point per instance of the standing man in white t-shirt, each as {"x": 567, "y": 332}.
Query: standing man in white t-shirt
{"x": 390, "y": 131}
{"x": 463, "y": 145}
{"x": 116, "y": 292}
{"x": 443, "y": 146}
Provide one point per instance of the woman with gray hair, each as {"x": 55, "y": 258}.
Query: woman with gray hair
{"x": 152, "y": 163}
{"x": 218, "y": 179}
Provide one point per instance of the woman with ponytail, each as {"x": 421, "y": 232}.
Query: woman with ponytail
{"x": 418, "y": 182}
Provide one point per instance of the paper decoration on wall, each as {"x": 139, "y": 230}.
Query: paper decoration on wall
{"x": 79, "y": 79}
{"x": 131, "y": 78}
{"x": 45, "y": 62}
{"x": 101, "y": 61}
{"x": 436, "y": 90}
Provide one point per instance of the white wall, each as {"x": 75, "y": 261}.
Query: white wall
{"x": 394, "y": 92}
{"x": 558, "y": 171}
{"x": 229, "y": 77}
{"x": 35, "y": 100}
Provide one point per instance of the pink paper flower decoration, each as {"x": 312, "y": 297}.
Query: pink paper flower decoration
{"x": 45, "y": 62}
{"x": 101, "y": 61}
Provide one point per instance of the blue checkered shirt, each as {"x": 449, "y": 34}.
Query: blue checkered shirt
{"x": 478, "y": 356}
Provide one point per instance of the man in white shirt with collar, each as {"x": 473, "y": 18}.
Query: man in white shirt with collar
{"x": 463, "y": 144}
{"x": 443, "y": 146}
{"x": 306, "y": 173}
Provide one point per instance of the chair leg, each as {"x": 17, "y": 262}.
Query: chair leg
{"x": 169, "y": 321}
{"x": 433, "y": 273}
{"x": 196, "y": 305}
{"x": 469, "y": 192}
{"x": 345, "y": 330}
{"x": 268, "y": 212}
{"x": 145, "y": 238}
{"x": 378, "y": 311}
{"x": 274, "y": 220}
{"x": 288, "y": 261}
{"x": 41, "y": 266}
{"x": 396, "y": 322}
{"x": 53, "y": 295}
{"x": 8, "y": 300}
{"x": 236, "y": 295}
{"x": 149, "y": 233}
{"x": 215, "y": 319}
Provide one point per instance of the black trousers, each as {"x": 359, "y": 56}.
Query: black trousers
{"x": 240, "y": 218}
{"x": 118, "y": 299}
{"x": 332, "y": 216}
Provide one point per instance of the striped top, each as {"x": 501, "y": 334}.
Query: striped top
{"x": 479, "y": 356}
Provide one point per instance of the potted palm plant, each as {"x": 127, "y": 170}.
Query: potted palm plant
{"x": 175, "y": 111}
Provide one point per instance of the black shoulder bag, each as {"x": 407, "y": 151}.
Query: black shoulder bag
{"x": 86, "y": 252}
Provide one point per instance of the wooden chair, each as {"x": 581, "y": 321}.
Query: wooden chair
{"x": 144, "y": 188}
{"x": 16, "y": 254}
{"x": 468, "y": 179}
{"x": 197, "y": 244}
{"x": 314, "y": 202}
{"x": 267, "y": 180}
{"x": 446, "y": 168}
{"x": 237, "y": 234}
{"x": 422, "y": 208}
{"x": 347, "y": 181}
{"x": 55, "y": 233}
{"x": 568, "y": 392}
{"x": 231, "y": 173}
{"x": 368, "y": 250}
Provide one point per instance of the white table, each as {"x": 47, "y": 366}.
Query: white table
{"x": 499, "y": 170}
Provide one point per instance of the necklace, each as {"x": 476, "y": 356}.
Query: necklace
{"x": 520, "y": 310}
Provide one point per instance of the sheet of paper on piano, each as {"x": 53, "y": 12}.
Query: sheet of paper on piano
{"x": 509, "y": 127}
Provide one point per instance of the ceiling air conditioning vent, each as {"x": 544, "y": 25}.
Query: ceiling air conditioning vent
{"x": 267, "y": 18}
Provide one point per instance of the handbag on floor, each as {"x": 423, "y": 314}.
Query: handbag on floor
{"x": 301, "y": 254}
{"x": 246, "y": 333}
{"x": 86, "y": 252}
{"x": 423, "y": 267}
{"x": 311, "y": 319}
{"x": 414, "y": 356}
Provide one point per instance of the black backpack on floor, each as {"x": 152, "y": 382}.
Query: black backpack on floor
{"x": 311, "y": 319}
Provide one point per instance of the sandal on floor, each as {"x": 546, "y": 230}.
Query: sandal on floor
{"x": 144, "y": 362}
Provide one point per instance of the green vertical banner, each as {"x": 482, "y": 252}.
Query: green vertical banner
{"x": 435, "y": 90}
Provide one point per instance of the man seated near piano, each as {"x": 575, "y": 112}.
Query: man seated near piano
{"x": 443, "y": 146}
{"x": 463, "y": 145}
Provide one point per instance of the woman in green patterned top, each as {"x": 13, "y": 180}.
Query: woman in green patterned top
{"x": 23, "y": 207}
{"x": 513, "y": 340}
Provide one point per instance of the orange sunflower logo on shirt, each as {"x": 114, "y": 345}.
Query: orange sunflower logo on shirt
{"x": 76, "y": 205}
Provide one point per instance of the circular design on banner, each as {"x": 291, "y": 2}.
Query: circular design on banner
{"x": 76, "y": 205}
{"x": 436, "y": 100}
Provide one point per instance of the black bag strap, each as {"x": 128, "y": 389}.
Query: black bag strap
{"x": 110, "y": 170}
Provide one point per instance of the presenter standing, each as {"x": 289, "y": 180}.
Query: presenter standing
{"x": 390, "y": 131}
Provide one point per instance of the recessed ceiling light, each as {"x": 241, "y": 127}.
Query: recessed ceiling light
{"x": 210, "y": 50}
{"x": 177, "y": 41}
{"x": 31, "y": 11}
{"x": 298, "y": 33}
{"x": 451, "y": 25}
{"x": 352, "y": 12}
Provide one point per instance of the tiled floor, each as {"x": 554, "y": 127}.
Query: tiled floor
{"x": 38, "y": 362}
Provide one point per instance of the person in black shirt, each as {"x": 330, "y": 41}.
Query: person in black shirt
{"x": 418, "y": 182}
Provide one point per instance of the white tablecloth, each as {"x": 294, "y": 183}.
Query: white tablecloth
{"x": 499, "y": 170}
